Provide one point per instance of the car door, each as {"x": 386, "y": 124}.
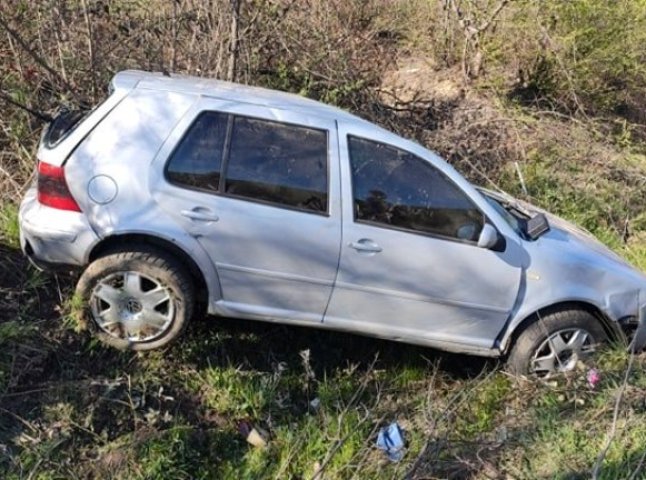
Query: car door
{"x": 258, "y": 187}
{"x": 410, "y": 266}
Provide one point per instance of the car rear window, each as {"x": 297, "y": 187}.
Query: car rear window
{"x": 67, "y": 120}
{"x": 62, "y": 125}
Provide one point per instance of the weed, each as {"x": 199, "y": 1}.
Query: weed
{"x": 13, "y": 331}
{"x": 74, "y": 313}
{"x": 484, "y": 403}
{"x": 71, "y": 408}
{"x": 9, "y": 231}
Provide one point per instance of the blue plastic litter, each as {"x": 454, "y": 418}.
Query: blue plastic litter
{"x": 391, "y": 441}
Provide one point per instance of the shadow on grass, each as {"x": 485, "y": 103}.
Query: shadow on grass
{"x": 259, "y": 345}
{"x": 63, "y": 395}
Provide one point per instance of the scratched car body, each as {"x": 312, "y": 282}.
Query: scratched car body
{"x": 179, "y": 194}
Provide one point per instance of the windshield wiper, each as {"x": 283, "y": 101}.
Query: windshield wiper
{"x": 532, "y": 224}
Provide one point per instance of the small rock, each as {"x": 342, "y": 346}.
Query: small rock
{"x": 256, "y": 439}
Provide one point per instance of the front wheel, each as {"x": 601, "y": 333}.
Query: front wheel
{"x": 138, "y": 299}
{"x": 555, "y": 342}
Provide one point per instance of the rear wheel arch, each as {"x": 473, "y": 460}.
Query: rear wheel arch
{"x": 129, "y": 241}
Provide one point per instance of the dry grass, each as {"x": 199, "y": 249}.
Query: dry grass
{"x": 70, "y": 408}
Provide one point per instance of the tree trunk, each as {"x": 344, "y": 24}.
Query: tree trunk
{"x": 233, "y": 41}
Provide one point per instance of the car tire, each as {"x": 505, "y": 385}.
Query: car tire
{"x": 137, "y": 299}
{"x": 554, "y": 343}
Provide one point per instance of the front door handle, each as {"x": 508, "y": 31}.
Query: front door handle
{"x": 365, "y": 245}
{"x": 200, "y": 214}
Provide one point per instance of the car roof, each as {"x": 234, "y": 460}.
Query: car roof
{"x": 232, "y": 91}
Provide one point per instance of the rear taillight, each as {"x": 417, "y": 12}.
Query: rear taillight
{"x": 53, "y": 190}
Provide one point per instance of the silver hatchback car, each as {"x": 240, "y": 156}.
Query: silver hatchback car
{"x": 180, "y": 194}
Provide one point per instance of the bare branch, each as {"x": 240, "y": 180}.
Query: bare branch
{"x": 484, "y": 26}
{"x": 90, "y": 46}
{"x": 40, "y": 115}
{"x": 37, "y": 58}
{"x": 233, "y": 41}
{"x": 615, "y": 416}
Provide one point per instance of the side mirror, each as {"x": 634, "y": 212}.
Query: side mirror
{"x": 488, "y": 236}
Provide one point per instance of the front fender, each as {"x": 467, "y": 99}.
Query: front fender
{"x": 613, "y": 306}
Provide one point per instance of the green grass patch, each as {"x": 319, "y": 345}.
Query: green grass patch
{"x": 71, "y": 408}
{"x": 9, "y": 230}
{"x": 483, "y": 402}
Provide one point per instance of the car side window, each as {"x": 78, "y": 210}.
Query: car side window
{"x": 278, "y": 163}
{"x": 395, "y": 188}
{"x": 197, "y": 160}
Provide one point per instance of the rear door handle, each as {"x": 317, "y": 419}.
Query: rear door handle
{"x": 200, "y": 214}
{"x": 365, "y": 245}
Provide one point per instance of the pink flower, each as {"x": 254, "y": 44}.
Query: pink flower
{"x": 593, "y": 377}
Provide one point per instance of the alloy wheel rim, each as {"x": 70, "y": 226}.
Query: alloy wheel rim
{"x": 561, "y": 351}
{"x": 134, "y": 307}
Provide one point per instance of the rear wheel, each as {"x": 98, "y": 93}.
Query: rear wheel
{"x": 555, "y": 342}
{"x": 138, "y": 299}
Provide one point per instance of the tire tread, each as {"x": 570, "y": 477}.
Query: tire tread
{"x": 535, "y": 333}
{"x": 150, "y": 256}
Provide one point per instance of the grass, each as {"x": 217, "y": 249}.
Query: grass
{"x": 177, "y": 413}
{"x": 71, "y": 408}
{"x": 9, "y": 232}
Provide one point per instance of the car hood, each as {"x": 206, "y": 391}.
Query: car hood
{"x": 573, "y": 240}
{"x": 580, "y": 238}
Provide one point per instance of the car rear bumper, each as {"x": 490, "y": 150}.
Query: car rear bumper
{"x": 52, "y": 237}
